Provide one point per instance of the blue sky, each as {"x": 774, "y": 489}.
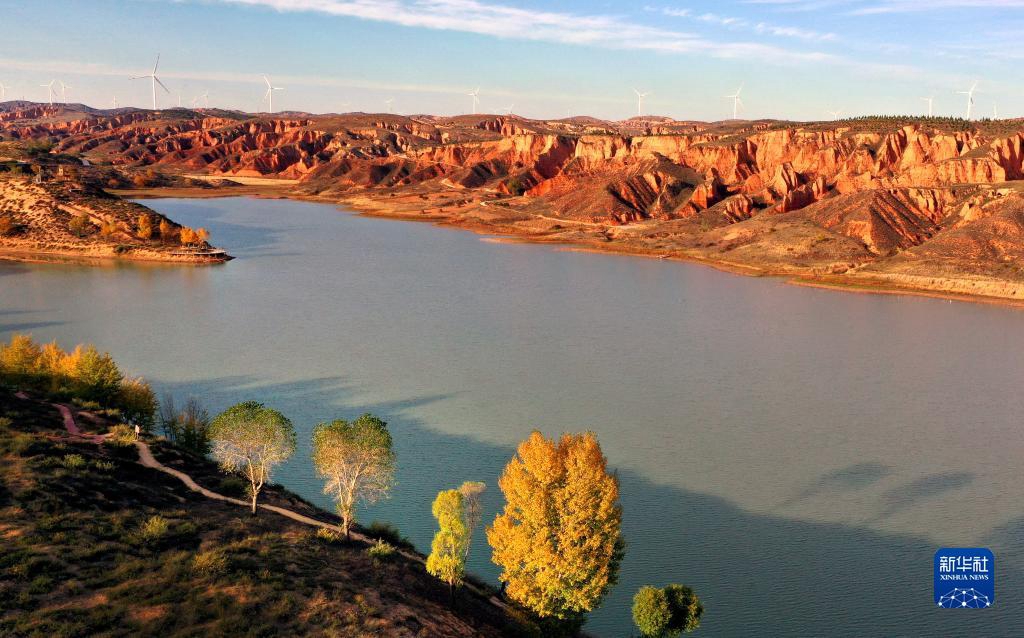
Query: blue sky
{"x": 796, "y": 59}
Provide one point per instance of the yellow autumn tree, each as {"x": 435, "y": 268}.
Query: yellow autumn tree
{"x": 167, "y": 231}
{"x": 447, "y": 560}
{"x": 558, "y": 540}
{"x": 187, "y": 236}
{"x": 144, "y": 226}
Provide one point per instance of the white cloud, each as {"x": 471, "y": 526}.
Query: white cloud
{"x": 473, "y": 16}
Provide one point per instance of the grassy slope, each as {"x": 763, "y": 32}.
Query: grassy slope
{"x": 74, "y": 563}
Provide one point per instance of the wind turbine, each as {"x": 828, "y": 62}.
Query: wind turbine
{"x": 115, "y": 101}
{"x": 995, "y": 111}
{"x": 154, "y": 79}
{"x": 508, "y": 109}
{"x": 49, "y": 90}
{"x": 930, "y": 100}
{"x": 64, "y": 91}
{"x": 835, "y": 114}
{"x": 970, "y": 98}
{"x": 269, "y": 95}
{"x": 736, "y": 102}
{"x": 390, "y": 101}
{"x": 3, "y": 90}
{"x": 475, "y": 94}
{"x": 640, "y": 102}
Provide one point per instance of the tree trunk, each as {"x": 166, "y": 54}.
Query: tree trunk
{"x": 255, "y": 495}
{"x": 347, "y": 526}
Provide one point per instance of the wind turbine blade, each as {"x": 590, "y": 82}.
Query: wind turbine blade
{"x": 155, "y": 78}
{"x": 156, "y": 64}
{"x": 267, "y": 80}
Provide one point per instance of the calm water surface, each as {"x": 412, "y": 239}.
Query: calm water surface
{"x": 795, "y": 455}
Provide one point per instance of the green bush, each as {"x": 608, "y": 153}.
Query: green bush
{"x": 5, "y": 423}
{"x": 210, "y": 564}
{"x": 233, "y": 486}
{"x": 381, "y": 551}
{"x": 388, "y": 532}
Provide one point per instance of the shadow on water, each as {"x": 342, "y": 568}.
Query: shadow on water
{"x": 757, "y": 574}
{"x": 927, "y": 487}
{"x": 28, "y": 326}
{"x": 851, "y": 477}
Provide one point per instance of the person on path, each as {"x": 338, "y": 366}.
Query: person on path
{"x": 138, "y": 431}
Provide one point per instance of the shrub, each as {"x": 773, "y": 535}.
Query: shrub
{"x": 210, "y": 564}
{"x": 329, "y": 535}
{"x": 381, "y": 551}
{"x": 154, "y": 529}
{"x": 233, "y": 486}
{"x": 81, "y": 225}
{"x": 5, "y": 423}
{"x": 22, "y": 445}
{"x": 104, "y": 466}
{"x": 73, "y": 461}
{"x": 387, "y": 532}
{"x": 121, "y": 435}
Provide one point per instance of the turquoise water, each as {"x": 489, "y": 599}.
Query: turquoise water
{"x": 795, "y": 455}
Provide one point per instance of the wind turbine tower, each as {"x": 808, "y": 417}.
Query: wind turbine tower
{"x": 269, "y": 95}
{"x": 835, "y": 114}
{"x": 64, "y": 91}
{"x": 736, "y": 102}
{"x": 3, "y": 90}
{"x": 154, "y": 80}
{"x": 930, "y": 100}
{"x": 49, "y": 90}
{"x": 390, "y": 102}
{"x": 640, "y": 102}
{"x": 475, "y": 94}
{"x": 970, "y": 98}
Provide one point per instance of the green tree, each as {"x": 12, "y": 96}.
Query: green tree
{"x": 96, "y": 376}
{"x": 650, "y": 612}
{"x": 667, "y": 612}
{"x": 251, "y": 439}
{"x": 447, "y": 560}
{"x": 356, "y": 461}
{"x": 137, "y": 403}
{"x": 188, "y": 427}
{"x": 558, "y": 540}
{"x": 686, "y": 608}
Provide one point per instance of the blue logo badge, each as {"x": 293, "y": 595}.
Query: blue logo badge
{"x": 965, "y": 577}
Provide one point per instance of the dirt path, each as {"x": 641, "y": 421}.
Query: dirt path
{"x": 146, "y": 459}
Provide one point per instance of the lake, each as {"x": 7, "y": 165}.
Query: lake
{"x": 796, "y": 455}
